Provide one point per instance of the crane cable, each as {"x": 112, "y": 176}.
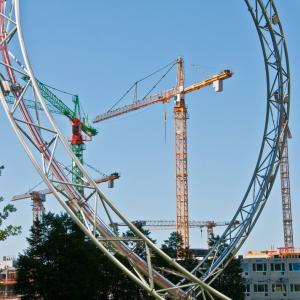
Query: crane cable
{"x": 134, "y": 85}
{"x": 67, "y": 93}
{"x": 96, "y": 170}
{"x": 58, "y": 90}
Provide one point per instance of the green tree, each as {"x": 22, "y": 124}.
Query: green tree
{"x": 170, "y": 246}
{"x": 9, "y": 230}
{"x": 230, "y": 282}
{"x": 62, "y": 264}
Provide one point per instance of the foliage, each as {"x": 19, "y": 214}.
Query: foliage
{"x": 173, "y": 243}
{"x": 230, "y": 282}
{"x": 62, "y": 264}
{"x": 170, "y": 247}
{"x": 139, "y": 247}
{"x": 9, "y": 230}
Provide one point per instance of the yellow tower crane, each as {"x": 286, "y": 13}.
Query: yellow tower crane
{"x": 180, "y": 115}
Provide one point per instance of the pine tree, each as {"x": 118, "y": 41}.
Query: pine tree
{"x": 60, "y": 263}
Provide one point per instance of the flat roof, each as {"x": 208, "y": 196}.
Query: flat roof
{"x": 282, "y": 252}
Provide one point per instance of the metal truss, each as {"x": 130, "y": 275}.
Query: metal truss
{"x": 50, "y": 152}
{"x": 274, "y": 50}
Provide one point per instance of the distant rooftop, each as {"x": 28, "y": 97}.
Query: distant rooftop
{"x": 6, "y": 262}
{"x": 281, "y": 252}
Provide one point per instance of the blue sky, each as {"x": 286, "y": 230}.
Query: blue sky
{"x": 98, "y": 50}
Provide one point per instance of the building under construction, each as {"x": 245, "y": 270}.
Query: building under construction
{"x": 272, "y": 274}
{"x": 8, "y": 274}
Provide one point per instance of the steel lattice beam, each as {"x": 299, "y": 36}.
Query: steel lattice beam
{"x": 50, "y": 152}
{"x": 274, "y": 50}
{"x": 47, "y": 149}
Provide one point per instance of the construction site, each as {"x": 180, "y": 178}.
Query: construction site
{"x": 195, "y": 143}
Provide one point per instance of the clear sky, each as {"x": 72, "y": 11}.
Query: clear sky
{"x": 100, "y": 48}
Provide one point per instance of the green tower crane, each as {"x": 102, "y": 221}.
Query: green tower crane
{"x": 80, "y": 124}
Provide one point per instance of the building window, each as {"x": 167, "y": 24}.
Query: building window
{"x": 245, "y": 267}
{"x": 278, "y": 287}
{"x": 247, "y": 288}
{"x": 260, "y": 288}
{"x": 260, "y": 267}
{"x": 294, "y": 267}
{"x": 278, "y": 267}
{"x": 295, "y": 287}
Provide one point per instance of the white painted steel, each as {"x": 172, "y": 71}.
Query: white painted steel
{"x": 48, "y": 163}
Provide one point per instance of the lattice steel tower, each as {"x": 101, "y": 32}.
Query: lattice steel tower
{"x": 180, "y": 114}
{"x": 285, "y": 189}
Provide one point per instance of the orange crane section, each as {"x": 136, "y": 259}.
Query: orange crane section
{"x": 109, "y": 178}
{"x": 180, "y": 116}
{"x": 163, "y": 97}
{"x": 182, "y": 203}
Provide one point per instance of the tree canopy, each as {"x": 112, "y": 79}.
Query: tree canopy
{"x": 230, "y": 282}
{"x": 8, "y": 230}
{"x": 61, "y": 263}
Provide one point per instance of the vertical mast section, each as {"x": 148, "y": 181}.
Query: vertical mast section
{"x": 180, "y": 115}
{"x": 285, "y": 191}
{"x": 38, "y": 208}
{"x": 77, "y": 146}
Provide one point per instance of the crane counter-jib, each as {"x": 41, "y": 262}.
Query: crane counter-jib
{"x": 224, "y": 75}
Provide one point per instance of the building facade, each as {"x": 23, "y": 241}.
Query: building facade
{"x": 272, "y": 274}
{"x": 8, "y": 276}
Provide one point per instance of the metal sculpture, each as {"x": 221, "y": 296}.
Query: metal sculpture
{"x": 47, "y": 148}
{"x": 274, "y": 50}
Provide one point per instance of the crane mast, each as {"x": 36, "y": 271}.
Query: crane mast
{"x": 38, "y": 199}
{"x": 77, "y": 145}
{"x": 182, "y": 204}
{"x": 285, "y": 192}
{"x": 79, "y": 125}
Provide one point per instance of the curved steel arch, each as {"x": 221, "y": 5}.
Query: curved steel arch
{"x": 273, "y": 44}
{"x": 47, "y": 149}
